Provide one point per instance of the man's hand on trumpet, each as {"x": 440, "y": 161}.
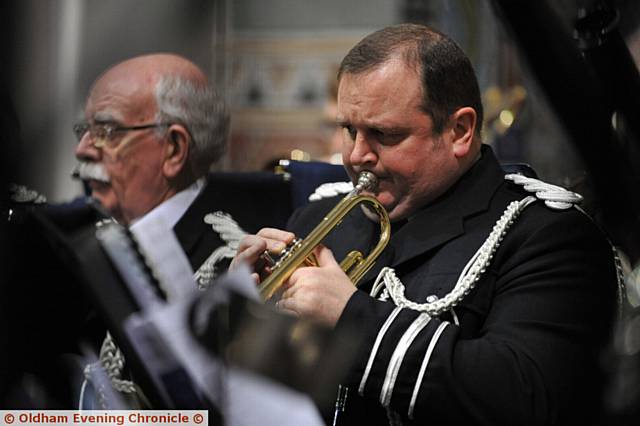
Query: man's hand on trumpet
{"x": 318, "y": 292}
{"x": 252, "y": 248}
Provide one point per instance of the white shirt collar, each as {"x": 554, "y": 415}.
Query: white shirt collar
{"x": 171, "y": 210}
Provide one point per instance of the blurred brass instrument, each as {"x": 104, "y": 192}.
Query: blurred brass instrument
{"x": 300, "y": 252}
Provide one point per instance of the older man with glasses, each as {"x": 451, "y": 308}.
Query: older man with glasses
{"x": 153, "y": 127}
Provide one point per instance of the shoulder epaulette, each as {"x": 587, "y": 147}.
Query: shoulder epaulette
{"x": 331, "y": 189}
{"x": 555, "y": 197}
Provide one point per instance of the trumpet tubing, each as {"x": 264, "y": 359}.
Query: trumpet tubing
{"x": 355, "y": 265}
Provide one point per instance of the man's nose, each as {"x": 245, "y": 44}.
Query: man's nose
{"x": 86, "y": 150}
{"x": 363, "y": 153}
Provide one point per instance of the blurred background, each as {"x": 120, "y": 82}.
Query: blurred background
{"x": 274, "y": 60}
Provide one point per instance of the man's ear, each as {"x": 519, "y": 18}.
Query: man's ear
{"x": 463, "y": 127}
{"x": 176, "y": 150}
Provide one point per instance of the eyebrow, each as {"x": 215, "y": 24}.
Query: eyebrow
{"x": 104, "y": 118}
{"x": 389, "y": 130}
{"x": 382, "y": 129}
{"x": 343, "y": 122}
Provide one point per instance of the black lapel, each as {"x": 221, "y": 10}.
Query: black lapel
{"x": 191, "y": 229}
{"x": 443, "y": 219}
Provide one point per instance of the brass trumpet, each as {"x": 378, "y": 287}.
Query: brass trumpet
{"x": 300, "y": 252}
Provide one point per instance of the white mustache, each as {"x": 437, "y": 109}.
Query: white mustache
{"x": 94, "y": 171}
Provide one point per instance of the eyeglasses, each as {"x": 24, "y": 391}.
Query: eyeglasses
{"x": 103, "y": 134}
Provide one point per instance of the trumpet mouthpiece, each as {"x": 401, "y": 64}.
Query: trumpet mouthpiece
{"x": 367, "y": 181}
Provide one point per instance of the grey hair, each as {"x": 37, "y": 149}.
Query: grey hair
{"x": 202, "y": 111}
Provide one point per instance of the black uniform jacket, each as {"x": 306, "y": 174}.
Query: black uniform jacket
{"x": 197, "y": 238}
{"x": 254, "y": 200}
{"x": 526, "y": 348}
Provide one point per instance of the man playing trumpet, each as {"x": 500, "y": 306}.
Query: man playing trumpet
{"x": 490, "y": 303}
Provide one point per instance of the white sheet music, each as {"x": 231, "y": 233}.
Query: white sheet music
{"x": 165, "y": 256}
{"x": 245, "y": 399}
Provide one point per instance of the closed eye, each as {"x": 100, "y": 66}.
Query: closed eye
{"x": 351, "y": 131}
{"x": 387, "y": 137}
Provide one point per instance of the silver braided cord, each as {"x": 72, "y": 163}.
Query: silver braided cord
{"x": 623, "y": 273}
{"x": 111, "y": 362}
{"x": 621, "y": 291}
{"x": 553, "y": 196}
{"x": 206, "y": 274}
{"x": 469, "y": 276}
{"x": 22, "y": 194}
{"x": 231, "y": 233}
{"x": 229, "y": 230}
{"x": 331, "y": 189}
{"x": 388, "y": 285}
{"x": 434, "y": 306}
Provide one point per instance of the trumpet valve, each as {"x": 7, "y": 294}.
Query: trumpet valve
{"x": 286, "y": 253}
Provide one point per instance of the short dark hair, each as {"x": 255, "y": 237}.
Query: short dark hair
{"x": 448, "y": 79}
